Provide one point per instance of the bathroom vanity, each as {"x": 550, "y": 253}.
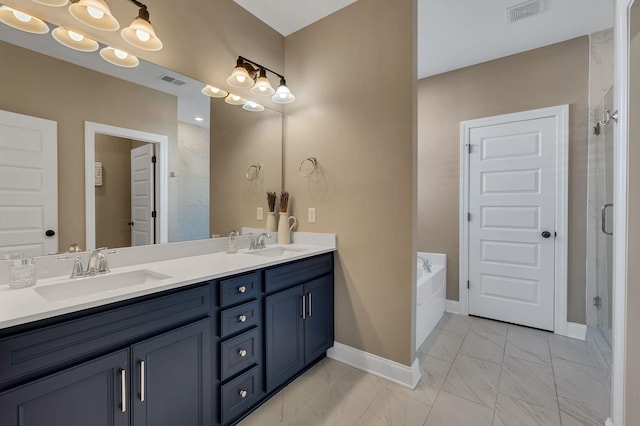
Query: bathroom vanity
{"x": 192, "y": 353}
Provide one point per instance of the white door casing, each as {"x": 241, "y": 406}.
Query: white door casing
{"x": 142, "y": 196}
{"x": 28, "y": 185}
{"x": 515, "y": 184}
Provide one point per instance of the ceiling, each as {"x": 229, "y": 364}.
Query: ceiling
{"x": 453, "y": 34}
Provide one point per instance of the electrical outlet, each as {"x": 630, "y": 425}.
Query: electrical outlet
{"x": 259, "y": 214}
{"x": 312, "y": 215}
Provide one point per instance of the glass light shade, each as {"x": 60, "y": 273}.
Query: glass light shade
{"x": 140, "y": 33}
{"x": 252, "y": 106}
{"x": 94, "y": 13}
{"x": 74, "y": 40}
{"x": 263, "y": 85}
{"x": 22, "y": 21}
{"x": 232, "y": 99}
{"x": 54, "y": 3}
{"x": 214, "y": 92}
{"x": 119, "y": 57}
{"x": 283, "y": 95}
{"x": 240, "y": 77}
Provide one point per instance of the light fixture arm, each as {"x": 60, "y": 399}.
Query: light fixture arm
{"x": 256, "y": 65}
{"x": 143, "y": 13}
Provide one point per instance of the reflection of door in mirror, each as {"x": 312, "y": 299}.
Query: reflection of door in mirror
{"x": 28, "y": 185}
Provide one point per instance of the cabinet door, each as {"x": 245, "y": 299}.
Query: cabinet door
{"x": 318, "y": 325}
{"x": 171, "y": 376}
{"x": 89, "y": 394}
{"x": 284, "y": 333}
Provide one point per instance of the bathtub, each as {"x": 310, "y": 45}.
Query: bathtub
{"x": 430, "y": 294}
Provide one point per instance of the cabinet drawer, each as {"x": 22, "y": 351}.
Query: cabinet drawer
{"x": 290, "y": 274}
{"x": 234, "y": 320}
{"x": 240, "y": 394}
{"x": 28, "y": 354}
{"x": 239, "y": 289}
{"x": 240, "y": 352}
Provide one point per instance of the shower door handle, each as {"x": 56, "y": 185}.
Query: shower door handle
{"x": 603, "y": 214}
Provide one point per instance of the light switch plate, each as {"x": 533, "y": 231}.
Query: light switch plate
{"x": 259, "y": 214}
{"x": 312, "y": 215}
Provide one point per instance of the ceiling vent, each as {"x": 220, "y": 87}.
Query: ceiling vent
{"x": 524, "y": 10}
{"x": 172, "y": 80}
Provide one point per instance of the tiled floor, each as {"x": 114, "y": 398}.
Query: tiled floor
{"x": 475, "y": 372}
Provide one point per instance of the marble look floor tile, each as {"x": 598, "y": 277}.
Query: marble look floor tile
{"x": 529, "y": 381}
{"x": 473, "y": 379}
{"x": 573, "y": 350}
{"x": 584, "y": 385}
{"x": 489, "y": 326}
{"x": 575, "y": 413}
{"x": 516, "y": 412}
{"x": 455, "y": 323}
{"x": 451, "y": 410}
{"x": 322, "y": 376}
{"x": 484, "y": 345}
{"x": 392, "y": 408}
{"x": 434, "y": 371}
{"x": 527, "y": 345}
{"x": 282, "y": 409}
{"x": 442, "y": 344}
{"x": 332, "y": 408}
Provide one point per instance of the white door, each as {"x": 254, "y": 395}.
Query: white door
{"x": 142, "y": 196}
{"x": 28, "y": 185}
{"x": 512, "y": 191}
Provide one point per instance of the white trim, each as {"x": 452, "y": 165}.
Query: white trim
{"x": 382, "y": 367}
{"x": 561, "y": 113}
{"x": 608, "y": 422}
{"x": 90, "y": 130}
{"x": 576, "y": 331}
{"x": 452, "y": 306}
{"x": 621, "y": 178}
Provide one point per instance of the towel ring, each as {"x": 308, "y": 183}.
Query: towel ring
{"x": 253, "y": 171}
{"x": 314, "y": 166}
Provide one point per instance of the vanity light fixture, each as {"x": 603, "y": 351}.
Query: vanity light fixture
{"x": 74, "y": 40}
{"x": 250, "y": 74}
{"x": 252, "y": 106}
{"x": 283, "y": 94}
{"x": 140, "y": 32}
{"x": 263, "y": 85}
{"x": 54, "y": 3}
{"x": 242, "y": 75}
{"x": 214, "y": 92}
{"x": 22, "y": 21}
{"x": 94, "y": 13}
{"x": 232, "y": 99}
{"x": 119, "y": 57}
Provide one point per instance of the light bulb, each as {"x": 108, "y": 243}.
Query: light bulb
{"x": 235, "y": 97}
{"x": 199, "y": 119}
{"x": 282, "y": 95}
{"x": 75, "y": 36}
{"x": 21, "y": 16}
{"x": 215, "y": 90}
{"x": 120, "y": 54}
{"x": 241, "y": 78}
{"x": 95, "y": 13}
{"x": 143, "y": 35}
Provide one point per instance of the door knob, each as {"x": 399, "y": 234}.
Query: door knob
{"x": 546, "y": 234}
{"x": 50, "y": 233}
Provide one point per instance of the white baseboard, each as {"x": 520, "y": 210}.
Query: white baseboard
{"x": 374, "y": 364}
{"x": 576, "y": 331}
{"x": 452, "y": 306}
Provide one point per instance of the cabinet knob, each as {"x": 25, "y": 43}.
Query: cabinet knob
{"x": 242, "y": 353}
{"x": 242, "y": 289}
{"x": 242, "y": 318}
{"x": 243, "y": 394}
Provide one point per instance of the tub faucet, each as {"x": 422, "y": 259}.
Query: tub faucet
{"x": 425, "y": 264}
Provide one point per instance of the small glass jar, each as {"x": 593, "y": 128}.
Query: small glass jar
{"x": 22, "y": 273}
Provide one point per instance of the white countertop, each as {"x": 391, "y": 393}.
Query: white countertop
{"x": 20, "y": 306}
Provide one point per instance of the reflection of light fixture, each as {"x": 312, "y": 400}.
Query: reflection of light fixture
{"x": 140, "y": 33}
{"x": 263, "y": 86}
{"x": 214, "y": 92}
{"x": 94, "y": 13}
{"x": 74, "y": 40}
{"x": 252, "y": 106}
{"x": 119, "y": 57}
{"x": 54, "y": 3}
{"x": 232, "y": 99}
{"x": 199, "y": 119}
{"x": 240, "y": 77}
{"x": 283, "y": 94}
{"x": 22, "y": 21}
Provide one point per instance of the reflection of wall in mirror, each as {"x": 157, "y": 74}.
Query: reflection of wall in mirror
{"x": 41, "y": 86}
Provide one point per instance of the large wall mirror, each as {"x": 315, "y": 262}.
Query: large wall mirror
{"x": 213, "y": 164}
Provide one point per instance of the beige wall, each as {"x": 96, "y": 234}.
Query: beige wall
{"x": 240, "y": 138}
{"x": 549, "y": 76}
{"x": 354, "y": 75}
{"x": 40, "y": 86}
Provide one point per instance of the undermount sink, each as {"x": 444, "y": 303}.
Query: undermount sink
{"x": 79, "y": 287}
{"x": 275, "y": 251}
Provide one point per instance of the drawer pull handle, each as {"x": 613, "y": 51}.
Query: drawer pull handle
{"x": 242, "y": 289}
{"x": 242, "y": 318}
{"x": 243, "y": 394}
{"x": 141, "y": 381}
{"x": 304, "y": 307}
{"x": 123, "y": 383}
{"x": 242, "y": 353}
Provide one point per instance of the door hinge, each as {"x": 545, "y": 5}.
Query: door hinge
{"x": 468, "y": 284}
{"x": 468, "y": 217}
{"x": 154, "y": 159}
{"x": 469, "y": 148}
{"x": 597, "y": 302}
{"x": 153, "y": 214}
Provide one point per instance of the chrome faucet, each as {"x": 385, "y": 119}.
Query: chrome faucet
{"x": 97, "y": 262}
{"x": 259, "y": 242}
{"x": 425, "y": 264}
